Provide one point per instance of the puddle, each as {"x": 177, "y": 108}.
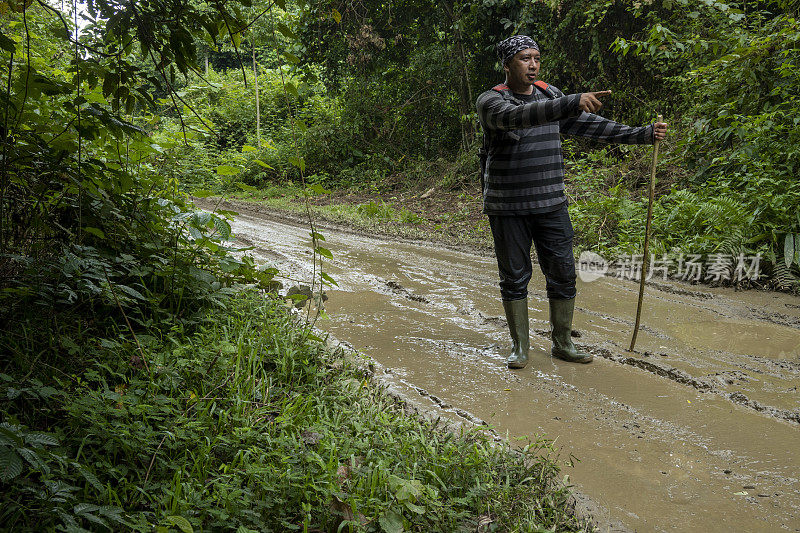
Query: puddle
{"x": 696, "y": 434}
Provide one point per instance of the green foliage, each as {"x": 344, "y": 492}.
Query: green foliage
{"x": 378, "y": 212}
{"x": 241, "y": 422}
{"x": 746, "y": 139}
{"x": 88, "y": 219}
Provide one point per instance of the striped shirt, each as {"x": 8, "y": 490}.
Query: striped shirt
{"x": 524, "y": 168}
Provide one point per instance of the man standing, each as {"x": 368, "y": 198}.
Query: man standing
{"x": 523, "y": 192}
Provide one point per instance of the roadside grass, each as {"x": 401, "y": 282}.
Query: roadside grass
{"x": 446, "y": 218}
{"x": 242, "y": 422}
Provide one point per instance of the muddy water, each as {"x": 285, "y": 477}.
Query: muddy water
{"x": 698, "y": 431}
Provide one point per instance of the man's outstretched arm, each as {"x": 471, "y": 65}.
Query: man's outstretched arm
{"x": 587, "y": 124}
{"x": 602, "y": 129}
{"x": 497, "y": 113}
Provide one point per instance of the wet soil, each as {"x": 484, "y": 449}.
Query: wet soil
{"x": 696, "y": 431}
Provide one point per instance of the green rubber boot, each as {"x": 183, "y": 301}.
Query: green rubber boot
{"x": 561, "y": 319}
{"x": 517, "y": 316}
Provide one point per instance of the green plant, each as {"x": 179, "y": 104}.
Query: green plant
{"x": 376, "y": 210}
{"x": 245, "y": 421}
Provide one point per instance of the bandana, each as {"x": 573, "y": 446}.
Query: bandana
{"x": 511, "y": 46}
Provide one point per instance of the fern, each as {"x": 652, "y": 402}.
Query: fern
{"x": 734, "y": 243}
{"x": 783, "y": 277}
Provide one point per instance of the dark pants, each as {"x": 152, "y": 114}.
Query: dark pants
{"x": 551, "y": 233}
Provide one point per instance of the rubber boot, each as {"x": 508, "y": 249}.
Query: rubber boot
{"x": 561, "y": 320}
{"x": 517, "y": 316}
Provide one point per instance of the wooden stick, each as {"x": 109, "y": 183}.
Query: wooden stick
{"x": 646, "y": 237}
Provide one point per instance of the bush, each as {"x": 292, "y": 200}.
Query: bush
{"x": 242, "y": 421}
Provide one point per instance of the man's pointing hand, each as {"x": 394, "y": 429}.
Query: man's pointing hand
{"x": 590, "y": 102}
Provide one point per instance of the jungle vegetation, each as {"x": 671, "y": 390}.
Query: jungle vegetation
{"x": 151, "y": 378}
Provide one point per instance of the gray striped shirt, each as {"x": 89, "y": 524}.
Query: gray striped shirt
{"x": 524, "y": 167}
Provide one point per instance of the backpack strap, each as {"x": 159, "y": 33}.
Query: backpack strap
{"x": 505, "y": 90}
{"x": 545, "y": 88}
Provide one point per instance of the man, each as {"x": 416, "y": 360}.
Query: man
{"x": 523, "y": 192}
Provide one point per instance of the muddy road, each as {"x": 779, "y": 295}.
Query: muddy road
{"x": 699, "y": 431}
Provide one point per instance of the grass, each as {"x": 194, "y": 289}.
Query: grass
{"x": 448, "y": 218}
{"x": 242, "y": 422}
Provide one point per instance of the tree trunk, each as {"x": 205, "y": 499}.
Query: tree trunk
{"x": 467, "y": 129}
{"x": 258, "y": 104}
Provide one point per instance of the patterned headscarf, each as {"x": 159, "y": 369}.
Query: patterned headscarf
{"x": 509, "y": 48}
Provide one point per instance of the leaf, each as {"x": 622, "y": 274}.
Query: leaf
{"x": 291, "y": 58}
{"x": 181, "y": 523}
{"x": 7, "y": 44}
{"x": 131, "y": 292}
{"x": 788, "y": 249}
{"x": 97, "y": 232}
{"x": 91, "y": 478}
{"x": 223, "y": 228}
{"x": 10, "y": 464}
{"x": 110, "y": 83}
{"x": 292, "y": 89}
{"x": 261, "y": 163}
{"x": 38, "y": 437}
{"x": 284, "y": 29}
{"x": 202, "y": 193}
{"x": 246, "y": 187}
{"x": 85, "y": 508}
{"x": 317, "y": 236}
{"x": 8, "y": 437}
{"x": 797, "y": 249}
{"x": 227, "y": 170}
{"x": 46, "y": 392}
{"x": 337, "y": 16}
{"x": 324, "y": 252}
{"x": 33, "y": 459}
{"x": 391, "y": 522}
{"x": 299, "y": 163}
{"x": 409, "y": 490}
{"x": 248, "y": 148}
{"x": 316, "y": 188}
{"x": 328, "y": 279}
{"x": 414, "y": 508}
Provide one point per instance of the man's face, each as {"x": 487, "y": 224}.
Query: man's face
{"x": 523, "y": 69}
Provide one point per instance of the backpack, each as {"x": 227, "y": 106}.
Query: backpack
{"x": 505, "y": 91}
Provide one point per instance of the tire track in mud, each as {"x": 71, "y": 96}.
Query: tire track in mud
{"x": 715, "y": 304}
{"x": 665, "y": 371}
